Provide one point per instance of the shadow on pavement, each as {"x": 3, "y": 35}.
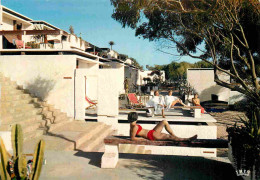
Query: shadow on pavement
{"x": 155, "y": 167}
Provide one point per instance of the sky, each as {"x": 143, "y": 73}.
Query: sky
{"x": 92, "y": 18}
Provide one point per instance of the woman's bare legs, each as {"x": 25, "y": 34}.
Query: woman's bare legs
{"x": 174, "y": 102}
{"x": 164, "y": 123}
{"x": 163, "y": 113}
{"x": 177, "y": 101}
{"x": 162, "y": 136}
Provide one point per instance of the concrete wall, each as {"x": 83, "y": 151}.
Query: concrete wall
{"x": 108, "y": 93}
{"x": 202, "y": 80}
{"x": 112, "y": 54}
{"x": 85, "y": 79}
{"x": 44, "y": 76}
{"x": 120, "y": 75}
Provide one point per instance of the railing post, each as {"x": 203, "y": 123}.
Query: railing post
{"x": 24, "y": 37}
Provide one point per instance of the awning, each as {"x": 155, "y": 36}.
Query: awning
{"x": 11, "y": 38}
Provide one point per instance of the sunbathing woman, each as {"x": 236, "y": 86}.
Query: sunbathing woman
{"x": 155, "y": 134}
{"x": 196, "y": 102}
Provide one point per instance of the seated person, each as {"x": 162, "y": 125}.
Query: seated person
{"x": 157, "y": 102}
{"x": 170, "y": 100}
{"x": 156, "y": 133}
{"x": 196, "y": 102}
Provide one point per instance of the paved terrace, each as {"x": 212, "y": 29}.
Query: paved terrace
{"x": 171, "y": 115}
{"x": 79, "y": 165}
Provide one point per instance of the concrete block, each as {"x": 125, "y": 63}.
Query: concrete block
{"x": 109, "y": 160}
{"x": 197, "y": 113}
{"x": 110, "y": 157}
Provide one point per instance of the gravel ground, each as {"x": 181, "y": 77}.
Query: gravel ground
{"x": 224, "y": 120}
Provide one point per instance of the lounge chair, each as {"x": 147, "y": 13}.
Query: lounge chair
{"x": 134, "y": 102}
{"x": 92, "y": 103}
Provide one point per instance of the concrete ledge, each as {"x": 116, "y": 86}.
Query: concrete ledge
{"x": 202, "y": 143}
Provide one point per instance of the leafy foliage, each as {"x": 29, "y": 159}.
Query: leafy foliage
{"x": 224, "y": 33}
{"x": 111, "y": 43}
{"x": 175, "y": 70}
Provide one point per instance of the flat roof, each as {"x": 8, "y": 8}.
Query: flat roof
{"x": 76, "y": 51}
{"x": 7, "y": 10}
{"x": 45, "y": 23}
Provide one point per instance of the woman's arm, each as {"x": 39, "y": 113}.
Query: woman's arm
{"x": 133, "y": 132}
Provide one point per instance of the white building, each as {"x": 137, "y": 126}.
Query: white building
{"x": 202, "y": 80}
{"x": 147, "y": 74}
{"x": 54, "y": 65}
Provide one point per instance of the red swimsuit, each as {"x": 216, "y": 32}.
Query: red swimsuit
{"x": 149, "y": 134}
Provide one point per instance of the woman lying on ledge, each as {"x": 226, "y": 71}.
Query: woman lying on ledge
{"x": 155, "y": 134}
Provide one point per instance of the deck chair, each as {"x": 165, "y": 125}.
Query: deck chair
{"x": 92, "y": 103}
{"x": 134, "y": 102}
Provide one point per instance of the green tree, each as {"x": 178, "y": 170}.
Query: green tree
{"x": 111, "y": 43}
{"x": 223, "y": 33}
{"x": 202, "y": 64}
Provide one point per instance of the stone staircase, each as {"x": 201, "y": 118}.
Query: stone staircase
{"x": 41, "y": 120}
{"x": 76, "y": 135}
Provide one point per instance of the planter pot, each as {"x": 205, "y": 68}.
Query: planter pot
{"x": 246, "y": 175}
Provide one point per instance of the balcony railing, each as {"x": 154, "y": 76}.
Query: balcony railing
{"x": 42, "y": 39}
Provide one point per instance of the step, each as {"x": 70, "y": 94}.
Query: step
{"x": 25, "y": 120}
{"x": 60, "y": 118}
{"x": 66, "y": 132}
{"x": 95, "y": 140}
{"x": 31, "y": 127}
{"x": 19, "y": 108}
{"x": 8, "y": 83}
{"x": 101, "y": 147}
{"x": 91, "y": 131}
{"x": 84, "y": 130}
{"x": 54, "y": 127}
{"x": 3, "y": 78}
{"x": 22, "y": 101}
{"x": 16, "y": 113}
{"x": 12, "y": 117}
{"x": 33, "y": 134}
{"x": 26, "y": 124}
{"x": 15, "y": 104}
{"x": 12, "y": 92}
{"x": 16, "y": 97}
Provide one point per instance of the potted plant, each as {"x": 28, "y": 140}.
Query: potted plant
{"x": 244, "y": 146}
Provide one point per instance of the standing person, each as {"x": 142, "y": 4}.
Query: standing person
{"x": 126, "y": 85}
{"x": 155, "y": 133}
{"x": 196, "y": 102}
{"x": 158, "y": 103}
{"x": 170, "y": 100}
